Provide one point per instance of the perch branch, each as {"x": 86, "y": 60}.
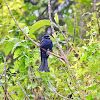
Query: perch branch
{"x": 27, "y": 35}
{"x": 53, "y": 31}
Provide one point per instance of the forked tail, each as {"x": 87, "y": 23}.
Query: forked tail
{"x": 44, "y": 65}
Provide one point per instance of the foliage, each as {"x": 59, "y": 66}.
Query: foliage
{"x": 79, "y": 79}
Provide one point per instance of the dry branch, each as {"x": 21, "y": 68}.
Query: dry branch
{"x": 53, "y": 32}
{"x": 74, "y": 27}
{"x": 95, "y": 9}
{"x": 57, "y": 92}
{"x": 5, "y": 88}
{"x": 23, "y": 91}
{"x": 27, "y": 35}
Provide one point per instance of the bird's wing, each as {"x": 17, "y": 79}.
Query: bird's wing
{"x": 42, "y": 44}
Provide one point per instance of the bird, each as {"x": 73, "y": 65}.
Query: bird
{"x": 46, "y": 44}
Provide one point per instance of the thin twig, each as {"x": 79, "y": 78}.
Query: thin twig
{"x": 53, "y": 31}
{"x": 74, "y": 27}
{"x": 57, "y": 92}
{"x": 64, "y": 36}
{"x": 66, "y": 39}
{"x": 23, "y": 91}
{"x": 31, "y": 79}
{"x": 5, "y": 89}
{"x": 27, "y": 35}
{"x": 95, "y": 9}
{"x": 8, "y": 93}
{"x": 71, "y": 48}
{"x": 27, "y": 84}
{"x": 19, "y": 26}
{"x": 46, "y": 9}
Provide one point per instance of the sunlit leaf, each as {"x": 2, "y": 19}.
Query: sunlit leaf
{"x": 34, "y": 85}
{"x": 38, "y": 25}
{"x": 56, "y": 18}
{"x": 17, "y": 52}
{"x": 8, "y": 47}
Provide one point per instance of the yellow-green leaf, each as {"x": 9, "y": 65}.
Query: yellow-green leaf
{"x": 38, "y": 25}
{"x": 17, "y": 53}
{"x": 56, "y": 18}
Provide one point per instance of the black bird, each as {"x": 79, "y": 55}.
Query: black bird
{"x": 45, "y": 43}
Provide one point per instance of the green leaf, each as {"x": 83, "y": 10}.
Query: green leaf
{"x": 31, "y": 95}
{"x": 1, "y": 67}
{"x": 17, "y": 53}
{"x": 93, "y": 87}
{"x": 26, "y": 29}
{"x": 29, "y": 86}
{"x": 32, "y": 36}
{"x": 56, "y": 18}
{"x": 12, "y": 70}
{"x": 34, "y": 85}
{"x": 11, "y": 88}
{"x": 37, "y": 74}
{"x": 21, "y": 63}
{"x": 89, "y": 97}
{"x": 14, "y": 96}
{"x": 97, "y": 4}
{"x": 8, "y": 47}
{"x": 38, "y": 25}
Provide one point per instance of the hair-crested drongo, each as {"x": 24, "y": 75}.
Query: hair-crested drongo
{"x": 45, "y": 43}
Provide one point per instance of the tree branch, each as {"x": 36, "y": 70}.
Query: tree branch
{"x": 5, "y": 89}
{"x": 74, "y": 27}
{"x": 95, "y": 9}
{"x": 57, "y": 92}
{"x": 8, "y": 94}
{"x": 53, "y": 32}
{"x": 28, "y": 36}
{"x": 23, "y": 91}
{"x": 46, "y": 9}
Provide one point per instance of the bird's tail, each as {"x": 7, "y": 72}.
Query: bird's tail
{"x": 44, "y": 65}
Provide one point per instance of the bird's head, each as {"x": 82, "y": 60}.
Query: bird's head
{"x": 46, "y": 37}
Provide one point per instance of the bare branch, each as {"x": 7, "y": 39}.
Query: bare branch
{"x": 57, "y": 92}
{"x": 5, "y": 89}
{"x": 53, "y": 32}
{"x": 8, "y": 94}
{"x": 23, "y": 91}
{"x": 27, "y": 35}
{"x": 74, "y": 27}
{"x": 19, "y": 26}
{"x": 66, "y": 39}
{"x": 95, "y": 9}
